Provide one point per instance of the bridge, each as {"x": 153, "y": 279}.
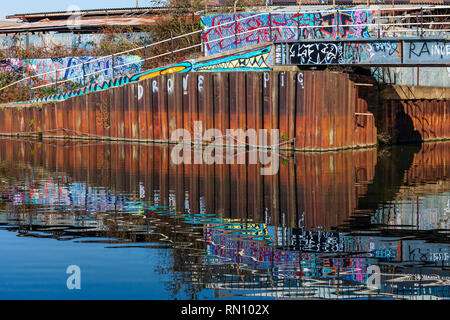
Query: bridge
{"x": 373, "y": 36}
{"x": 366, "y": 52}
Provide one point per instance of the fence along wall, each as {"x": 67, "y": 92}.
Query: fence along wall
{"x": 320, "y": 110}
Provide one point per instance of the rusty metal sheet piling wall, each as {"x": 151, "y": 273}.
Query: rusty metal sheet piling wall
{"x": 404, "y": 121}
{"x": 314, "y": 110}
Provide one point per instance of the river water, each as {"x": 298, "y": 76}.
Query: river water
{"x": 360, "y": 224}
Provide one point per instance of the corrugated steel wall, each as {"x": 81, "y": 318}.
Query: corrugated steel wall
{"x": 414, "y": 120}
{"x": 314, "y": 110}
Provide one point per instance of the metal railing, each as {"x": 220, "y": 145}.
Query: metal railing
{"x": 380, "y": 29}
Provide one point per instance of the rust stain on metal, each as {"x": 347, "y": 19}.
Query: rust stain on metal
{"x": 314, "y": 110}
{"x": 414, "y": 120}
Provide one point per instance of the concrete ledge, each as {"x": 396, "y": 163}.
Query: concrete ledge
{"x": 397, "y": 92}
{"x": 286, "y": 68}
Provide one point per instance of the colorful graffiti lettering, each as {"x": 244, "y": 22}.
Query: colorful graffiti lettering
{"x": 230, "y": 31}
{"x": 11, "y": 66}
{"x": 75, "y": 69}
{"x": 260, "y": 59}
{"x": 257, "y": 59}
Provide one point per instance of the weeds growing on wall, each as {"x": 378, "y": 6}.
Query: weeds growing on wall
{"x": 16, "y": 93}
{"x": 22, "y": 91}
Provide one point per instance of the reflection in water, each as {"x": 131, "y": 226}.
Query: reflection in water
{"x": 312, "y": 231}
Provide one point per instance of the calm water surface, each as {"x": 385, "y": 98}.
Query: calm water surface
{"x": 140, "y": 227}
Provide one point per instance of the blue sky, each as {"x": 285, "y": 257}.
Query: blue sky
{"x": 10, "y": 7}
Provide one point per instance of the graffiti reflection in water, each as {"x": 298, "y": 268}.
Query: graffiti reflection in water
{"x": 304, "y": 233}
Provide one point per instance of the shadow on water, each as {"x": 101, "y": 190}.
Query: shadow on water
{"x": 392, "y": 164}
{"x": 313, "y": 230}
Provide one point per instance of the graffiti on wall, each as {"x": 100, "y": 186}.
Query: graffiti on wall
{"x": 177, "y": 68}
{"x": 322, "y": 53}
{"x": 379, "y": 52}
{"x": 230, "y": 31}
{"x": 9, "y": 65}
{"x": 363, "y": 52}
{"x": 260, "y": 59}
{"x": 257, "y": 59}
{"x": 316, "y": 53}
{"x": 75, "y": 69}
{"x": 427, "y": 51}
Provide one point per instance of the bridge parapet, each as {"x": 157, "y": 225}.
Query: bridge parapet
{"x": 224, "y": 32}
{"x": 378, "y": 52}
